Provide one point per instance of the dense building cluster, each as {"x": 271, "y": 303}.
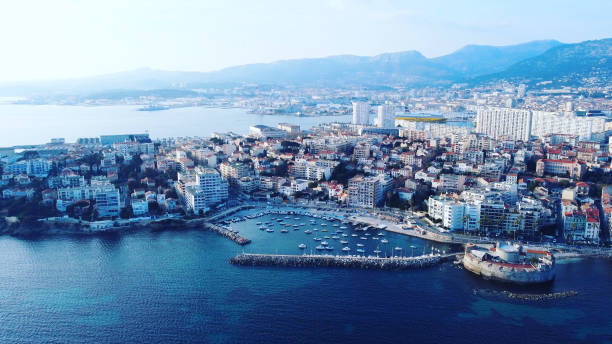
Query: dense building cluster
{"x": 525, "y": 172}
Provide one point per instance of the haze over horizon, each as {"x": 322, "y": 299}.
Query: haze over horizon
{"x": 86, "y": 39}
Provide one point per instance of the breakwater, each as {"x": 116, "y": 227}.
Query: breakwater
{"x": 525, "y": 297}
{"x": 235, "y": 237}
{"x": 355, "y": 262}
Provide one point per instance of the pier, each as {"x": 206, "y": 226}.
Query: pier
{"x": 355, "y": 262}
{"x": 235, "y": 237}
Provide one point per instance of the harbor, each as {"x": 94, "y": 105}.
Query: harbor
{"x": 353, "y": 262}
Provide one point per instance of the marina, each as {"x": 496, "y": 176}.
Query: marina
{"x": 324, "y": 233}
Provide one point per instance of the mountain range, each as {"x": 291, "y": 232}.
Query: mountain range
{"x": 532, "y": 62}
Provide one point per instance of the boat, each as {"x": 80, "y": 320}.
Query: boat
{"x": 315, "y": 229}
{"x": 269, "y": 230}
{"x": 384, "y": 241}
{"x": 398, "y": 248}
{"x": 323, "y": 230}
{"x": 375, "y": 238}
{"x": 344, "y": 235}
{"x": 376, "y": 251}
{"x": 320, "y": 248}
{"x": 324, "y": 243}
{"x": 302, "y": 246}
{"x": 284, "y": 231}
{"x": 343, "y": 242}
{"x": 335, "y": 237}
{"x": 316, "y": 239}
{"x": 262, "y": 228}
{"x": 363, "y": 238}
{"x": 307, "y": 231}
{"x": 354, "y": 235}
{"x": 381, "y": 234}
{"x": 343, "y": 227}
{"x": 326, "y": 237}
{"x": 360, "y": 250}
{"x": 323, "y": 224}
{"x": 368, "y": 234}
{"x": 329, "y": 248}
{"x": 346, "y": 249}
{"x": 360, "y": 245}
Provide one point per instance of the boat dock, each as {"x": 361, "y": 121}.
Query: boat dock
{"x": 356, "y": 262}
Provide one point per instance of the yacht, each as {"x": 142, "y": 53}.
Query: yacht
{"x": 344, "y": 235}
{"x": 308, "y": 231}
{"x": 359, "y": 245}
{"x": 346, "y": 249}
{"x": 343, "y": 242}
{"x": 301, "y": 246}
{"x": 269, "y": 230}
{"x": 377, "y": 251}
{"x": 320, "y": 248}
{"x": 374, "y": 238}
{"x": 363, "y": 238}
{"x": 335, "y": 237}
{"x": 381, "y": 234}
{"x": 354, "y": 235}
{"x": 329, "y": 248}
{"x": 324, "y": 243}
{"x": 384, "y": 241}
{"x": 284, "y": 231}
{"x": 323, "y": 230}
{"x": 360, "y": 250}
{"x": 398, "y": 248}
{"x": 316, "y": 239}
{"x": 326, "y": 237}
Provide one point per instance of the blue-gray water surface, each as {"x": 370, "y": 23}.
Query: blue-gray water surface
{"x": 177, "y": 286}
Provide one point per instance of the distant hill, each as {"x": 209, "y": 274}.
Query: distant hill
{"x": 409, "y": 67}
{"x": 578, "y": 64}
{"x": 475, "y": 60}
{"x": 584, "y": 63}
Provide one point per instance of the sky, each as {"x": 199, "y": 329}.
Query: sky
{"x": 67, "y": 39}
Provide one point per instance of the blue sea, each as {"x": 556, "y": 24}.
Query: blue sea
{"x": 178, "y": 287}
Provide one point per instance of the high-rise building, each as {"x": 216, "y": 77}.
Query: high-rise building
{"x": 504, "y": 123}
{"x": 361, "y": 113}
{"x": 386, "y": 116}
{"x": 544, "y": 123}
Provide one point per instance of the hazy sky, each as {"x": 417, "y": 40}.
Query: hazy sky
{"x": 62, "y": 39}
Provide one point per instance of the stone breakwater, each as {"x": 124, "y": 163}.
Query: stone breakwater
{"x": 355, "y": 262}
{"x": 525, "y": 297}
{"x": 235, "y": 237}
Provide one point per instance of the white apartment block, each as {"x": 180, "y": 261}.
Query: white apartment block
{"x": 361, "y": 113}
{"x": 386, "y": 116}
{"x": 544, "y": 123}
{"x": 209, "y": 188}
{"x": 504, "y": 123}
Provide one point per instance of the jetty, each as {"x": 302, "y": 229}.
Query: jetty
{"x": 235, "y": 237}
{"x": 355, "y": 262}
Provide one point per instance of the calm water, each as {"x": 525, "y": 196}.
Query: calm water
{"x": 34, "y": 124}
{"x": 179, "y": 287}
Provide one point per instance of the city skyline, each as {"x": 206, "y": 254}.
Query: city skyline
{"x": 87, "y": 39}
